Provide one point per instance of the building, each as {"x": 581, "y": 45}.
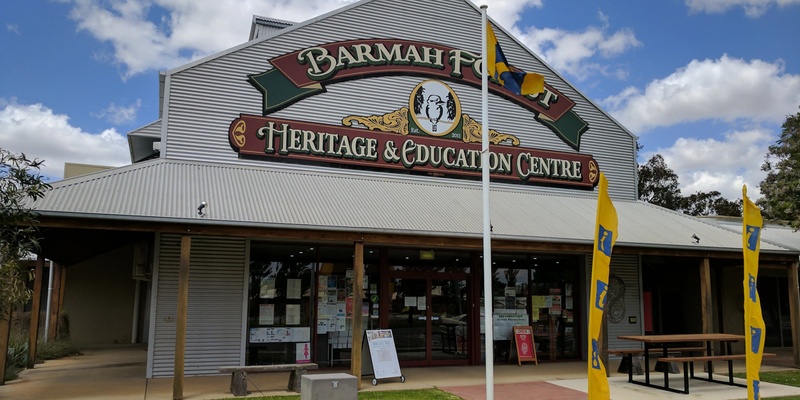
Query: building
{"x": 279, "y": 167}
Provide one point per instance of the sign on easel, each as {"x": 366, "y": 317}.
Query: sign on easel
{"x": 379, "y": 356}
{"x": 526, "y": 348}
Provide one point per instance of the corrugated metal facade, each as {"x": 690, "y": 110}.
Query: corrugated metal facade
{"x": 215, "y": 314}
{"x": 624, "y": 301}
{"x": 205, "y": 97}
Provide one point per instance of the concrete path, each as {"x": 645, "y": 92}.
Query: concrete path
{"x": 119, "y": 374}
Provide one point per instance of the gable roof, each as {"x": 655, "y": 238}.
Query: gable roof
{"x": 282, "y": 196}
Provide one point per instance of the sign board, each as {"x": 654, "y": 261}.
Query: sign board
{"x": 503, "y": 324}
{"x": 526, "y": 348}
{"x": 379, "y": 356}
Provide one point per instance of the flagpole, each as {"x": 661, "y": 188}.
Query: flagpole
{"x": 487, "y": 241}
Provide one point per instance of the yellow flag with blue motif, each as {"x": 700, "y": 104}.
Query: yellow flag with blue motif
{"x": 753, "y": 320}
{"x": 605, "y": 235}
{"x": 518, "y": 81}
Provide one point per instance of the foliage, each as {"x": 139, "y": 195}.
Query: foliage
{"x": 711, "y": 203}
{"x": 658, "y": 184}
{"x": 781, "y": 187}
{"x": 418, "y": 394}
{"x": 20, "y": 182}
{"x": 788, "y": 378}
{"x": 17, "y": 358}
{"x": 55, "y": 349}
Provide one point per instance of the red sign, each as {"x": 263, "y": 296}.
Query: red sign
{"x": 277, "y": 138}
{"x": 526, "y": 349}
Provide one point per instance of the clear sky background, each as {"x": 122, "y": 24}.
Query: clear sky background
{"x": 705, "y": 83}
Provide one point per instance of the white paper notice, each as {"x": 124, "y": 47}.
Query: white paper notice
{"x": 301, "y": 334}
{"x": 293, "y": 288}
{"x": 322, "y": 326}
{"x": 422, "y": 303}
{"x": 302, "y": 353}
{"x": 267, "y": 288}
{"x": 411, "y": 301}
{"x": 266, "y": 314}
{"x": 293, "y": 314}
{"x": 341, "y": 324}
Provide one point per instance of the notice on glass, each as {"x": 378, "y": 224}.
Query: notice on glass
{"x": 410, "y": 301}
{"x": 322, "y": 326}
{"x": 322, "y": 283}
{"x": 293, "y": 288}
{"x": 539, "y": 301}
{"x": 341, "y": 324}
{"x": 422, "y": 303}
{"x": 302, "y": 353}
{"x": 293, "y": 314}
{"x": 267, "y": 288}
{"x": 266, "y": 314}
{"x": 511, "y": 292}
{"x": 555, "y": 308}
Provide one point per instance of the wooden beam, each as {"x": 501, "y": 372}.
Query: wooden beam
{"x": 358, "y": 293}
{"x": 182, "y": 317}
{"x": 706, "y": 307}
{"x": 5, "y": 333}
{"x": 794, "y": 311}
{"x": 473, "y": 242}
{"x": 55, "y": 307}
{"x": 33, "y": 330}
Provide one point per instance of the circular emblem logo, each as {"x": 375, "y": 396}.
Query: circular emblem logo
{"x": 435, "y": 108}
{"x": 594, "y": 172}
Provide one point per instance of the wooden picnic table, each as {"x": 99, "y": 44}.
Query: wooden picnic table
{"x": 664, "y": 342}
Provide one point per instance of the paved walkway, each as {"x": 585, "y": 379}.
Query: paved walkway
{"x": 119, "y": 374}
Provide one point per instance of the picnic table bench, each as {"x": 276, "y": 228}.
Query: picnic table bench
{"x": 688, "y": 367}
{"x": 628, "y": 360}
{"x": 239, "y": 375}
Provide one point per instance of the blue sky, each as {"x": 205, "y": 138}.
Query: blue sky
{"x": 705, "y": 83}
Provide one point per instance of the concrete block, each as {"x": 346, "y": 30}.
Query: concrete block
{"x": 337, "y": 386}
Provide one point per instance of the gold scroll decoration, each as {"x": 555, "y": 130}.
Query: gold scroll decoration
{"x": 395, "y": 121}
{"x": 472, "y": 133}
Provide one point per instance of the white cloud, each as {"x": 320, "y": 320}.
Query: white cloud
{"x": 723, "y": 165}
{"x": 571, "y": 52}
{"x": 161, "y": 34}
{"x": 13, "y": 28}
{"x": 119, "y": 115}
{"x": 40, "y": 133}
{"x": 752, "y": 8}
{"x": 727, "y": 89}
{"x": 147, "y": 35}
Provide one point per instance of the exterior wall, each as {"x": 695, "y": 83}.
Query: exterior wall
{"x": 205, "y": 97}
{"x": 732, "y": 304}
{"x": 215, "y": 326}
{"x": 624, "y": 299}
{"x": 101, "y": 291}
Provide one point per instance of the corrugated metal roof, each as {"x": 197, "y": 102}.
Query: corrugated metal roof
{"x": 290, "y": 197}
{"x": 782, "y": 235}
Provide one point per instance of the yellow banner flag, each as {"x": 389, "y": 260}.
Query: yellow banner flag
{"x": 753, "y": 320}
{"x": 605, "y": 235}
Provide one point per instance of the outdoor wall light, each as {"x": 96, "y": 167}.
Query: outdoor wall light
{"x": 201, "y": 208}
{"x": 696, "y": 239}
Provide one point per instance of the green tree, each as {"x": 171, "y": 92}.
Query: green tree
{"x": 711, "y": 203}
{"x": 781, "y": 187}
{"x": 658, "y": 184}
{"x": 20, "y": 182}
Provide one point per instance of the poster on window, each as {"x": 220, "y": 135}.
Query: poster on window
{"x": 293, "y": 314}
{"x": 302, "y": 353}
{"x": 266, "y": 314}
{"x": 293, "y": 289}
{"x": 267, "y": 288}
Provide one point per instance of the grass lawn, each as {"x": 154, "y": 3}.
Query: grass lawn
{"x": 789, "y": 378}
{"x": 422, "y": 394}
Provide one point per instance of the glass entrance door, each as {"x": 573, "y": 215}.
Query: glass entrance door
{"x": 428, "y": 318}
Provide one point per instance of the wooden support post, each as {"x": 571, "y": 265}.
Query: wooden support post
{"x": 5, "y": 333}
{"x": 33, "y": 330}
{"x": 706, "y": 308}
{"x": 794, "y": 311}
{"x": 183, "y": 306}
{"x": 358, "y": 293}
{"x": 55, "y": 307}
